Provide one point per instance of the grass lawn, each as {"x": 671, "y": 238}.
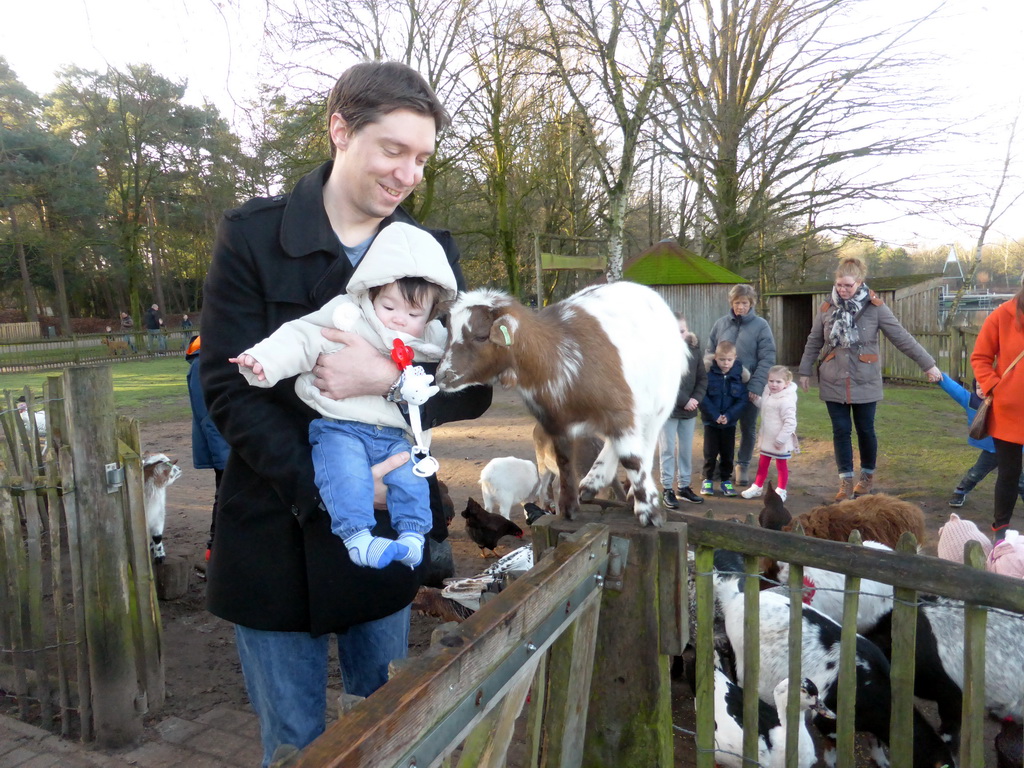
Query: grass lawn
{"x": 920, "y": 429}
{"x": 152, "y": 390}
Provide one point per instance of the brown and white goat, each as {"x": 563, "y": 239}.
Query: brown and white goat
{"x": 158, "y": 472}
{"x": 584, "y": 452}
{"x": 606, "y": 361}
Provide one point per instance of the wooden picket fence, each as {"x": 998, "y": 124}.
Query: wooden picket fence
{"x": 457, "y": 705}
{"x": 80, "y": 635}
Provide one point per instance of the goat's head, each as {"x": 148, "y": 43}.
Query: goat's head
{"x": 481, "y": 331}
{"x": 774, "y": 516}
{"x": 159, "y": 471}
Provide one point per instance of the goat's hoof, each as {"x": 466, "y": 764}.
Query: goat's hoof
{"x": 587, "y": 494}
{"x": 651, "y": 517}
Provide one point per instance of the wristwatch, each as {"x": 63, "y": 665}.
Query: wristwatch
{"x": 394, "y": 394}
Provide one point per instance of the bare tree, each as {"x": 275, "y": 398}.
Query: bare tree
{"x": 776, "y": 112}
{"x": 997, "y": 207}
{"x": 608, "y": 57}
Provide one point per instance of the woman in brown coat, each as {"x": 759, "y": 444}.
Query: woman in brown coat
{"x": 999, "y": 343}
{"x": 845, "y": 335}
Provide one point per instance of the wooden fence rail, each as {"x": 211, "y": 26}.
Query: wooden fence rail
{"x": 421, "y": 716}
{"x": 79, "y": 620}
{"x": 487, "y": 665}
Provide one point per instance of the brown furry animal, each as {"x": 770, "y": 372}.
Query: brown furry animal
{"x": 877, "y": 516}
{"x": 115, "y": 347}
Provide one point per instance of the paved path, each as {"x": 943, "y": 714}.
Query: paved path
{"x": 220, "y": 737}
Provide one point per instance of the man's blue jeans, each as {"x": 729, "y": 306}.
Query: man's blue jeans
{"x": 845, "y": 418}
{"x": 286, "y": 674}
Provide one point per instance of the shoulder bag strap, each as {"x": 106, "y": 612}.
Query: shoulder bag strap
{"x": 1008, "y": 369}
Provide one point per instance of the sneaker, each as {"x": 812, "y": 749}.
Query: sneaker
{"x": 782, "y": 493}
{"x": 668, "y": 498}
{"x": 707, "y": 488}
{"x": 727, "y": 489}
{"x": 686, "y": 494}
{"x": 957, "y": 499}
{"x": 753, "y": 492}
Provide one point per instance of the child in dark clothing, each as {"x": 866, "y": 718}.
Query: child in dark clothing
{"x": 986, "y": 462}
{"x": 721, "y": 407}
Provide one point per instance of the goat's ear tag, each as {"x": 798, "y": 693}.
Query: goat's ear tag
{"x": 501, "y": 334}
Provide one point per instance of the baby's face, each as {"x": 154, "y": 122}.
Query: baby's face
{"x": 776, "y": 384}
{"x": 397, "y": 314}
{"x": 725, "y": 361}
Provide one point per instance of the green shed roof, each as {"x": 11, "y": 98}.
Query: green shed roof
{"x": 668, "y": 263}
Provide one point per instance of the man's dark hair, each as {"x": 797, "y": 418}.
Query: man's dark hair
{"x": 366, "y": 92}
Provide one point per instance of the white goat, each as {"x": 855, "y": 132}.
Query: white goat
{"x": 507, "y": 481}
{"x": 158, "y": 472}
{"x": 606, "y": 361}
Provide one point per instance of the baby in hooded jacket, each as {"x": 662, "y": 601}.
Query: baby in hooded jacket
{"x": 393, "y": 296}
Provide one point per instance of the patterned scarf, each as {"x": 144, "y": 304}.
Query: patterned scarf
{"x": 844, "y": 329}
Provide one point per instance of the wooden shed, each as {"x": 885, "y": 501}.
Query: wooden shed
{"x": 689, "y": 284}
{"x": 914, "y": 299}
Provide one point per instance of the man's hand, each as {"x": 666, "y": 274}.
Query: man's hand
{"x": 355, "y": 369}
{"x": 934, "y": 374}
{"x": 378, "y": 471}
{"x": 250, "y": 362}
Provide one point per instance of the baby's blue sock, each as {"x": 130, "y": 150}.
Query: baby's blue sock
{"x": 414, "y": 542}
{"x": 373, "y": 551}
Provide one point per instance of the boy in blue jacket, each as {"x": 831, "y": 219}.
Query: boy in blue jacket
{"x": 986, "y": 462}
{"x": 721, "y": 407}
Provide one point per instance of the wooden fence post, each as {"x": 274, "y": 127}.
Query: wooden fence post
{"x": 629, "y": 716}
{"x": 102, "y": 542}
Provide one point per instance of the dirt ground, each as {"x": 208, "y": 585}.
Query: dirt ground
{"x": 202, "y": 668}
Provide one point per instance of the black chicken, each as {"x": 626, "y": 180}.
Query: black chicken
{"x": 486, "y": 528}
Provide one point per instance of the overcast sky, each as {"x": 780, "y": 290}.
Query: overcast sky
{"x": 217, "y": 51}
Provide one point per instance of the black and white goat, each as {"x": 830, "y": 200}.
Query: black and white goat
{"x": 158, "y": 472}
{"x": 820, "y": 662}
{"x": 606, "y": 361}
{"x": 939, "y": 661}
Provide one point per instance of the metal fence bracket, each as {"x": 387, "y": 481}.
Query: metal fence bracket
{"x": 115, "y": 477}
{"x": 618, "y": 556}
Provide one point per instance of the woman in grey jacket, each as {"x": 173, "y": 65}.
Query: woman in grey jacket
{"x": 755, "y": 351}
{"x": 844, "y": 336}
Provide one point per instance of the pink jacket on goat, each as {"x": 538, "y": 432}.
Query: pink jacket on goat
{"x": 778, "y": 422}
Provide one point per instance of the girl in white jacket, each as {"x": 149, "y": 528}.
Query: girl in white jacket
{"x": 778, "y": 430}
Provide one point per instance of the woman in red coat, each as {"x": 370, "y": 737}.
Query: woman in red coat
{"x": 999, "y": 343}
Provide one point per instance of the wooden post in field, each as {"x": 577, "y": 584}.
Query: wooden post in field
{"x": 103, "y": 545}
{"x": 643, "y": 621}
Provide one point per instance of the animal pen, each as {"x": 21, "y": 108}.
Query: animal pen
{"x": 577, "y": 651}
{"x": 570, "y": 662}
{"x": 80, "y": 634}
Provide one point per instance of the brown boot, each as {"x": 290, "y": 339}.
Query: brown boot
{"x": 845, "y": 488}
{"x": 863, "y": 485}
